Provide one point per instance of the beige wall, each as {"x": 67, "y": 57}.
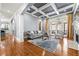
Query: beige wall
{"x": 46, "y": 25}
{"x": 70, "y": 32}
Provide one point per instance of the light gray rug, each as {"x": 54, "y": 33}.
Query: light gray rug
{"x": 49, "y": 45}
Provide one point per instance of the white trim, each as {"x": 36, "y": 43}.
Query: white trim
{"x": 38, "y": 10}
{"x": 20, "y": 10}
{"x": 45, "y": 6}
{"x": 66, "y": 7}
{"x": 33, "y": 12}
{"x": 41, "y": 16}
{"x": 61, "y": 14}
{"x": 41, "y": 8}
{"x": 62, "y": 9}
{"x": 55, "y": 8}
{"x": 17, "y": 39}
{"x": 75, "y": 8}
{"x": 30, "y": 14}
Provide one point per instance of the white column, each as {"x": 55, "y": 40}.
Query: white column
{"x": 19, "y": 23}
{"x": 10, "y": 28}
{"x": 0, "y": 28}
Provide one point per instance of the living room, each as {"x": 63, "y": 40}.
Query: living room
{"x": 43, "y": 29}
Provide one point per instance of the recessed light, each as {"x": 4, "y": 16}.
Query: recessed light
{"x": 3, "y": 16}
{"x": 8, "y": 11}
{"x": 40, "y": 20}
{"x": 28, "y": 9}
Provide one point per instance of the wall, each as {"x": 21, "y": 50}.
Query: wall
{"x": 73, "y": 45}
{"x": 19, "y": 29}
{"x": 70, "y": 27}
{"x": 30, "y": 23}
{"x": 58, "y": 22}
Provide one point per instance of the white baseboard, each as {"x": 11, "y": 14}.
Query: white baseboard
{"x": 19, "y": 40}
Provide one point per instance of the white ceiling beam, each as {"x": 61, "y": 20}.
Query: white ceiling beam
{"x": 51, "y": 13}
{"x": 66, "y": 7}
{"x": 75, "y": 8}
{"x": 62, "y": 9}
{"x": 24, "y": 12}
{"x": 41, "y": 16}
{"x": 34, "y": 8}
{"x": 30, "y": 14}
{"x": 61, "y": 14}
{"x": 43, "y": 13}
{"x": 45, "y": 6}
{"x": 38, "y": 10}
{"x": 55, "y": 8}
{"x": 20, "y": 10}
{"x": 33, "y": 12}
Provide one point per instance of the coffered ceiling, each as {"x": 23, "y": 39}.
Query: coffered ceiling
{"x": 48, "y": 9}
{"x": 40, "y": 10}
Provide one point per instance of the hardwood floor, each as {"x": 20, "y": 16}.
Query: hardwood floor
{"x": 10, "y": 47}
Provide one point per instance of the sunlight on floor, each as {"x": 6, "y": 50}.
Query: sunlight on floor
{"x": 13, "y": 39}
{"x": 43, "y": 53}
{"x": 3, "y": 53}
{"x": 1, "y": 45}
{"x": 65, "y": 46}
{"x": 2, "y": 49}
{"x": 58, "y": 48}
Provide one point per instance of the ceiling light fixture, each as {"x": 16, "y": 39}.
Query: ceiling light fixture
{"x": 3, "y": 16}
{"x": 28, "y": 9}
{"x": 8, "y": 11}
